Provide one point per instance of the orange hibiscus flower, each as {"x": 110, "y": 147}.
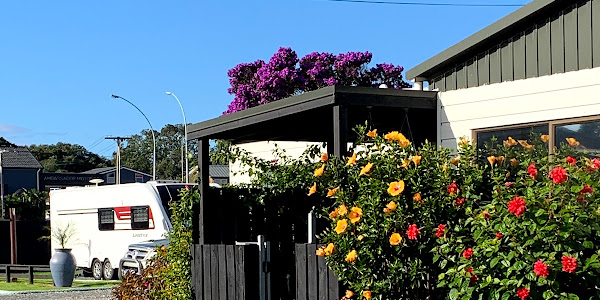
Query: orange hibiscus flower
{"x": 355, "y": 214}
{"x": 366, "y": 169}
{"x": 351, "y": 160}
{"x": 333, "y": 191}
{"x": 351, "y": 256}
{"x": 395, "y": 239}
{"x": 313, "y": 189}
{"x": 319, "y": 171}
{"x": 396, "y": 188}
{"x": 372, "y": 133}
{"x": 341, "y": 226}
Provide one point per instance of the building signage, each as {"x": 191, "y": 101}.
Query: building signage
{"x": 69, "y": 179}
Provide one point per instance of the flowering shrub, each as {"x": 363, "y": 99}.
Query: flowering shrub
{"x": 506, "y": 222}
{"x": 257, "y": 83}
{"x": 392, "y": 203}
{"x": 540, "y": 237}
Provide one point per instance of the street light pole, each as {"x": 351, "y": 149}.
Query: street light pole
{"x": 153, "y": 137}
{"x": 187, "y": 174}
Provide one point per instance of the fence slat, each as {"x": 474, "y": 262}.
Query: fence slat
{"x": 222, "y": 272}
{"x": 334, "y": 285}
{"x": 206, "y": 272}
{"x": 197, "y": 273}
{"x": 301, "y": 272}
{"x": 230, "y": 256}
{"x": 311, "y": 267}
{"x": 240, "y": 279}
{"x": 323, "y": 280}
{"x": 214, "y": 271}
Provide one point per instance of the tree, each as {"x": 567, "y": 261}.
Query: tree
{"x": 5, "y": 143}
{"x": 64, "y": 157}
{"x": 137, "y": 153}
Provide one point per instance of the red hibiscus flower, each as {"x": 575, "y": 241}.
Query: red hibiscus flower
{"x": 532, "y": 171}
{"x": 440, "y": 230}
{"x": 453, "y": 188}
{"x": 523, "y": 293}
{"x": 540, "y": 268}
{"x": 516, "y": 206}
{"x": 558, "y": 175}
{"x": 569, "y": 264}
{"x": 473, "y": 279}
{"x": 467, "y": 253}
{"x": 499, "y": 235}
{"x": 459, "y": 201}
{"x": 412, "y": 232}
{"x": 486, "y": 215}
{"x": 595, "y": 164}
{"x": 572, "y": 161}
{"x": 586, "y": 190}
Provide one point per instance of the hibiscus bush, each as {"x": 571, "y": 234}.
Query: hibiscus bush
{"x": 538, "y": 237}
{"x": 422, "y": 222}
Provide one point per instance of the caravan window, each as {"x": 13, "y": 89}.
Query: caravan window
{"x": 140, "y": 217}
{"x": 169, "y": 193}
{"x": 106, "y": 218}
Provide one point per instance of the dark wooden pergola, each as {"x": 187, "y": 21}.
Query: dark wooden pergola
{"x": 324, "y": 115}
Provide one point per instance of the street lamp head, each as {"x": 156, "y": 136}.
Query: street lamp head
{"x": 115, "y": 96}
{"x": 168, "y": 93}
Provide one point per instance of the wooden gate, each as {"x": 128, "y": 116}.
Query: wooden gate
{"x": 222, "y": 268}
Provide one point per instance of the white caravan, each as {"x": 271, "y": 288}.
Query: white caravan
{"x": 106, "y": 219}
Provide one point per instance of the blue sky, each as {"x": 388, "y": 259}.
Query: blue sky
{"x": 61, "y": 60}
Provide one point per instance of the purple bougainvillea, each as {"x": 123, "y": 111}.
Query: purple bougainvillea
{"x": 258, "y": 83}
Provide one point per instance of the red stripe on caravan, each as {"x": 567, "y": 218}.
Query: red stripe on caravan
{"x": 123, "y": 212}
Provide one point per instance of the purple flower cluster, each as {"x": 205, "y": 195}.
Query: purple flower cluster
{"x": 316, "y": 71}
{"x": 350, "y": 68}
{"x": 257, "y": 83}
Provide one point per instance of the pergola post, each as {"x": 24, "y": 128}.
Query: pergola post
{"x": 340, "y": 131}
{"x": 199, "y": 236}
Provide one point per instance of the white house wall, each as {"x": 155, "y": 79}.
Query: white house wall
{"x": 264, "y": 150}
{"x": 553, "y": 97}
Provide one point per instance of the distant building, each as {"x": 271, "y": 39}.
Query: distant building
{"x": 219, "y": 173}
{"x": 18, "y": 169}
{"x": 127, "y": 175}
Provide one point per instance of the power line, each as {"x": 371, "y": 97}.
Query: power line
{"x": 431, "y": 4}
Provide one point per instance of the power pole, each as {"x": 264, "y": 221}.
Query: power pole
{"x": 119, "y": 140}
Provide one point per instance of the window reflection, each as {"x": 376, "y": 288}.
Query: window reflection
{"x": 587, "y": 134}
{"x": 517, "y": 133}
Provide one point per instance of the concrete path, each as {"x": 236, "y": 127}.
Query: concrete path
{"x": 89, "y": 294}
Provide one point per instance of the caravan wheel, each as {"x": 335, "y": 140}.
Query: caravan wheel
{"x": 97, "y": 269}
{"x": 107, "y": 271}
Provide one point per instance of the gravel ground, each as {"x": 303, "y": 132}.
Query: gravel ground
{"x": 78, "y": 295}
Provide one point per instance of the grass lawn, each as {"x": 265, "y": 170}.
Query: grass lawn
{"x": 46, "y": 284}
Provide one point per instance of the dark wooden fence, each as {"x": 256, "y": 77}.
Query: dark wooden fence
{"x": 30, "y": 249}
{"x": 225, "y": 272}
{"x": 235, "y": 215}
{"x": 23, "y": 271}
{"x": 314, "y": 280}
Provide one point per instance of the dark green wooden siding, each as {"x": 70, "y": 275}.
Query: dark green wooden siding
{"x": 567, "y": 41}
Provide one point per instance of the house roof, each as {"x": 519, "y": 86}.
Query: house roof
{"x": 18, "y": 158}
{"x": 483, "y": 39}
{"x": 308, "y": 116}
{"x": 216, "y": 171}
{"x": 112, "y": 169}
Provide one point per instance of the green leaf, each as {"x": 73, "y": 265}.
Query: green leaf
{"x": 453, "y": 294}
{"x": 494, "y": 262}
